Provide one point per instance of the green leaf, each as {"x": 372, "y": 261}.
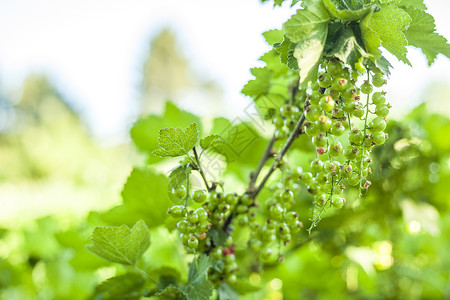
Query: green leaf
{"x": 144, "y": 197}
{"x": 128, "y": 286}
{"x": 422, "y": 34}
{"x": 211, "y": 141}
{"x": 346, "y": 47}
{"x": 145, "y": 136}
{"x": 308, "y": 22}
{"x": 349, "y": 10}
{"x": 308, "y": 29}
{"x": 386, "y": 28}
{"x": 199, "y": 287}
{"x": 412, "y": 3}
{"x": 176, "y": 141}
{"x": 260, "y": 85}
{"x": 170, "y": 293}
{"x": 226, "y": 292}
{"x": 273, "y": 36}
{"x": 178, "y": 175}
{"x": 121, "y": 244}
{"x": 286, "y": 51}
{"x": 308, "y": 54}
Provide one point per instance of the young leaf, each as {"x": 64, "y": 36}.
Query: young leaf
{"x": 211, "y": 141}
{"x": 260, "y": 85}
{"x": 179, "y": 175}
{"x": 386, "y": 28}
{"x": 176, "y": 141}
{"x": 144, "y": 197}
{"x": 273, "y": 36}
{"x": 422, "y": 34}
{"x": 412, "y": 3}
{"x": 308, "y": 29}
{"x": 346, "y": 47}
{"x": 120, "y": 244}
{"x": 307, "y": 22}
{"x": 145, "y": 136}
{"x": 286, "y": 51}
{"x": 349, "y": 10}
{"x": 308, "y": 54}
{"x": 225, "y": 292}
{"x": 199, "y": 287}
{"x": 128, "y": 286}
{"x": 170, "y": 293}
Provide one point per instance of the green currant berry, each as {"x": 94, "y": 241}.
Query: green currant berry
{"x": 337, "y": 129}
{"x": 231, "y": 198}
{"x": 278, "y": 122}
{"x": 377, "y": 124}
{"x": 382, "y": 110}
{"x": 320, "y": 140}
{"x": 327, "y": 103}
{"x": 334, "y": 67}
{"x": 350, "y": 152}
{"x": 192, "y": 217}
{"x": 321, "y": 198}
{"x": 312, "y": 113}
{"x": 379, "y": 137}
{"x": 366, "y": 88}
{"x": 177, "y": 211}
{"x": 335, "y": 149}
{"x": 378, "y": 98}
{"x": 324, "y": 80}
{"x": 324, "y": 123}
{"x": 180, "y": 192}
{"x": 192, "y": 242}
{"x": 316, "y": 165}
{"x": 306, "y": 177}
{"x": 378, "y": 80}
{"x": 311, "y": 128}
{"x": 338, "y": 202}
{"x": 182, "y": 226}
{"x": 353, "y": 179}
{"x": 356, "y": 136}
{"x": 199, "y": 196}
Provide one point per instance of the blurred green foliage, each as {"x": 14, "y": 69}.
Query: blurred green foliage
{"x": 389, "y": 244}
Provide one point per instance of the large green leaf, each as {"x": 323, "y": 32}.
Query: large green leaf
{"x": 308, "y": 53}
{"x": 176, "y": 141}
{"x": 346, "y": 47}
{"x": 144, "y": 132}
{"x": 198, "y": 286}
{"x": 422, "y": 34}
{"x": 120, "y": 244}
{"x": 123, "y": 287}
{"x": 144, "y": 197}
{"x": 308, "y": 30}
{"x": 412, "y": 3}
{"x": 311, "y": 21}
{"x": 386, "y": 28}
{"x": 349, "y": 10}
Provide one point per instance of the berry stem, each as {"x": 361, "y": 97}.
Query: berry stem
{"x": 364, "y": 139}
{"x": 266, "y": 155}
{"x": 200, "y": 170}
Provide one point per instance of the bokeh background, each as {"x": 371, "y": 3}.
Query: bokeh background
{"x": 75, "y": 76}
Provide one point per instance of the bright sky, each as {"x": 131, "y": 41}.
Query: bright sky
{"x": 94, "y": 50}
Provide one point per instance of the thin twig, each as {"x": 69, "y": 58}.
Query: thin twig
{"x": 295, "y": 133}
{"x": 266, "y": 155}
{"x": 200, "y": 170}
{"x": 144, "y": 274}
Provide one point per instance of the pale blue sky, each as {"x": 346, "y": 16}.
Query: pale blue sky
{"x": 94, "y": 50}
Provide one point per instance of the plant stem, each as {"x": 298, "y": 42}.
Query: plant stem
{"x": 295, "y": 133}
{"x": 266, "y": 155}
{"x": 144, "y": 274}
{"x": 200, "y": 170}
